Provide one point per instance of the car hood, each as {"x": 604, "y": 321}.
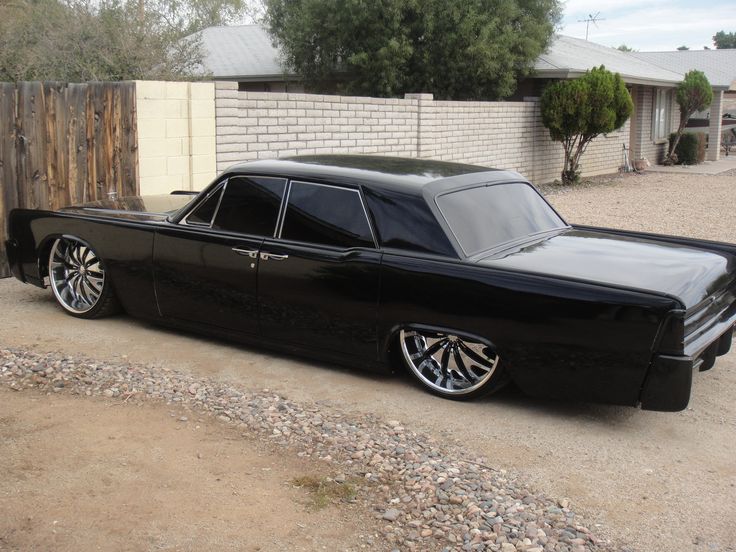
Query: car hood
{"x": 154, "y": 207}
{"x": 687, "y": 273}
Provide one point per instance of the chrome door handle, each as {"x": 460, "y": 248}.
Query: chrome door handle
{"x": 252, "y": 253}
{"x": 266, "y": 256}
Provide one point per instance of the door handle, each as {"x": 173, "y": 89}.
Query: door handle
{"x": 267, "y": 256}
{"x": 252, "y": 253}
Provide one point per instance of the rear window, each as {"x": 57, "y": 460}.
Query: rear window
{"x": 487, "y": 216}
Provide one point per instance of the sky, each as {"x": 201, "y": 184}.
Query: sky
{"x": 650, "y": 25}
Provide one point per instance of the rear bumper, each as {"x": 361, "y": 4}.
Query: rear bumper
{"x": 12, "y": 250}
{"x": 669, "y": 381}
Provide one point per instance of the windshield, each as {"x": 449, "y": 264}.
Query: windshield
{"x": 487, "y": 216}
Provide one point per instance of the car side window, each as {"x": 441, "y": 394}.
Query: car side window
{"x": 203, "y": 214}
{"x": 250, "y": 205}
{"x": 326, "y": 215}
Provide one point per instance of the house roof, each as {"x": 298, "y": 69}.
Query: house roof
{"x": 569, "y": 57}
{"x": 718, "y": 65}
{"x": 241, "y": 52}
{"x": 247, "y": 52}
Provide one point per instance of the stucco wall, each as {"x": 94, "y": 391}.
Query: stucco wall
{"x": 253, "y": 125}
{"x": 176, "y": 135}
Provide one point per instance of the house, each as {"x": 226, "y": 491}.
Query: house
{"x": 247, "y": 55}
{"x": 652, "y": 88}
{"x": 720, "y": 68}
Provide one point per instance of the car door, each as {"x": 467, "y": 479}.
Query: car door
{"x": 318, "y": 281}
{"x": 206, "y": 266}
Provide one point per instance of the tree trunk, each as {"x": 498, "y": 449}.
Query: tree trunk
{"x": 680, "y": 129}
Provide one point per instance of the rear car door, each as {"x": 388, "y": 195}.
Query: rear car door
{"x": 318, "y": 280}
{"x": 206, "y": 266}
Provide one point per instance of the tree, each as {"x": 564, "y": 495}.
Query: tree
{"x": 682, "y": 48}
{"x": 458, "y": 49}
{"x": 694, "y": 93}
{"x": 723, "y": 40}
{"x": 625, "y": 48}
{"x": 80, "y": 40}
{"x": 576, "y": 111}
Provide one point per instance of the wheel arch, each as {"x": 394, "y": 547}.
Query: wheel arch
{"x": 44, "y": 250}
{"x": 390, "y": 346}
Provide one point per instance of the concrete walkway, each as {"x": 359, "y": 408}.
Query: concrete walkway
{"x": 725, "y": 163}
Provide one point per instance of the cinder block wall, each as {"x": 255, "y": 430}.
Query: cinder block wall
{"x": 262, "y": 125}
{"x": 508, "y": 135}
{"x": 176, "y": 135}
{"x": 258, "y": 125}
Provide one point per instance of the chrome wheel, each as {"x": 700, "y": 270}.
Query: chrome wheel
{"x": 76, "y": 275}
{"x": 446, "y": 363}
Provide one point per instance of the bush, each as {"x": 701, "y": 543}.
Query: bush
{"x": 691, "y": 148}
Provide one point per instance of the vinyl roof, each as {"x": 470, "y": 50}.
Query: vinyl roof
{"x": 408, "y": 175}
{"x": 569, "y": 57}
{"x": 718, "y": 65}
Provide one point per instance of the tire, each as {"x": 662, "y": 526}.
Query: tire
{"x": 452, "y": 366}
{"x": 78, "y": 279}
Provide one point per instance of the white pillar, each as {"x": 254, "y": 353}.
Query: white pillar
{"x": 714, "y": 127}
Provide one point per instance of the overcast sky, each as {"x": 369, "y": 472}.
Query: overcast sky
{"x": 651, "y": 25}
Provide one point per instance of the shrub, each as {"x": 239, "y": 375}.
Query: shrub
{"x": 576, "y": 111}
{"x": 690, "y": 149}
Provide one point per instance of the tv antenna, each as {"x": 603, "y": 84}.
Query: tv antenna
{"x": 591, "y": 19}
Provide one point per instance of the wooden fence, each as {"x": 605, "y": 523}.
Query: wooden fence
{"x": 63, "y": 144}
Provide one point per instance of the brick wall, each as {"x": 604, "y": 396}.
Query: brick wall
{"x": 643, "y": 144}
{"x": 261, "y": 125}
{"x": 257, "y": 125}
{"x": 176, "y": 135}
{"x": 508, "y": 135}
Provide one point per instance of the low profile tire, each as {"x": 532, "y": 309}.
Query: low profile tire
{"x": 452, "y": 366}
{"x": 78, "y": 280}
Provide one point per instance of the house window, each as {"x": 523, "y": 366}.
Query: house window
{"x": 662, "y": 115}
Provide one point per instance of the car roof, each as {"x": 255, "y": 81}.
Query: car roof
{"x": 407, "y": 175}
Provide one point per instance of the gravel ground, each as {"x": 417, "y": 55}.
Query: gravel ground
{"x": 664, "y": 203}
{"x": 426, "y": 494}
{"x": 653, "y": 481}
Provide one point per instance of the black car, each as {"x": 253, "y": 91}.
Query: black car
{"x": 466, "y": 273}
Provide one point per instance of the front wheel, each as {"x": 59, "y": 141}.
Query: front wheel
{"x": 78, "y": 280}
{"x": 451, "y": 366}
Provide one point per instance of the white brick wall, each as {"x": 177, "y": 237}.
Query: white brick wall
{"x": 261, "y": 125}
{"x": 258, "y": 125}
{"x": 508, "y": 135}
{"x": 176, "y": 135}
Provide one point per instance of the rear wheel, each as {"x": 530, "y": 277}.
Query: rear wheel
{"x": 451, "y": 366}
{"x": 78, "y": 280}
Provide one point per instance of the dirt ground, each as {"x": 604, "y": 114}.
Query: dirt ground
{"x": 86, "y": 474}
{"x": 655, "y": 481}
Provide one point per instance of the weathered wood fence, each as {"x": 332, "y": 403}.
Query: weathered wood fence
{"x": 62, "y": 144}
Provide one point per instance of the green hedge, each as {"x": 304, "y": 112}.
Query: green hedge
{"x": 691, "y": 148}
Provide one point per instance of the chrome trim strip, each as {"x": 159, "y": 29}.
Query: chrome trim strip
{"x": 282, "y": 211}
{"x": 218, "y": 188}
{"x": 219, "y": 202}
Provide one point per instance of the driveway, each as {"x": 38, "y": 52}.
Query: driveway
{"x": 654, "y": 481}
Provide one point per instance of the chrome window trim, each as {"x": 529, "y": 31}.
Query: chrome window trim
{"x": 354, "y": 190}
{"x": 282, "y": 211}
{"x": 219, "y": 188}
